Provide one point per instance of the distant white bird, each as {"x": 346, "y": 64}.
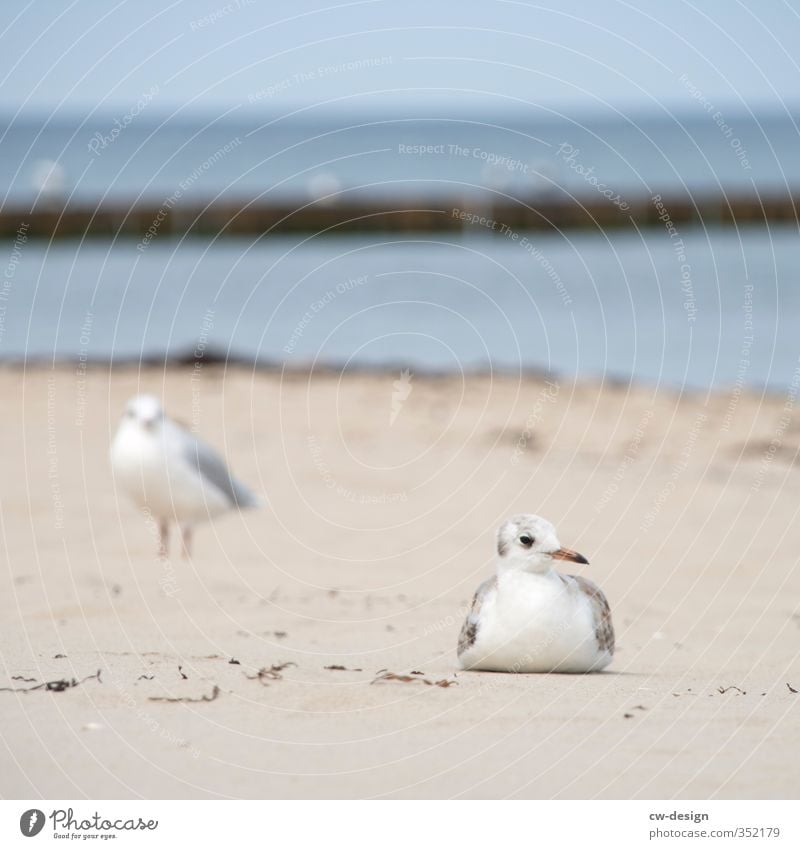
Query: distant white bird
{"x": 48, "y": 179}
{"x": 324, "y": 187}
{"x": 531, "y": 618}
{"x": 170, "y": 473}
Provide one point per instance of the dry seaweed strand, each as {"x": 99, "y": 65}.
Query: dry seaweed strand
{"x": 57, "y": 686}
{"x": 271, "y": 673}
{"x": 406, "y": 679}
{"x": 215, "y": 693}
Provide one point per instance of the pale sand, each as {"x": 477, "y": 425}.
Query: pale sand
{"x": 704, "y": 592}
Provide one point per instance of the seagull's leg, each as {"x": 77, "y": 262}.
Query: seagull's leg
{"x": 186, "y": 533}
{"x": 163, "y": 539}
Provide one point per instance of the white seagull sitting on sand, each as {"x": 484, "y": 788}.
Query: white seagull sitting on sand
{"x": 531, "y": 618}
{"x": 170, "y": 473}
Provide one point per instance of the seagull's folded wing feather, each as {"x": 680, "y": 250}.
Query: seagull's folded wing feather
{"x": 469, "y": 631}
{"x": 603, "y": 627}
{"x": 212, "y": 468}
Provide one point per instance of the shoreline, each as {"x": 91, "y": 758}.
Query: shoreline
{"x": 225, "y": 364}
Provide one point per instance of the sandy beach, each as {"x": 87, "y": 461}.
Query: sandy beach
{"x": 251, "y": 670}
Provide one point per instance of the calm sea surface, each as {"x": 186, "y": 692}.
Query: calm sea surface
{"x": 626, "y": 306}
{"x": 699, "y": 308}
{"x": 304, "y": 156}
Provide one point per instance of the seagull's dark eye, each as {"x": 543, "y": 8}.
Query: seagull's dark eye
{"x": 527, "y": 541}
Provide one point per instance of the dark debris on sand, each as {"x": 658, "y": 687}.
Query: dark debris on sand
{"x": 57, "y": 686}
{"x": 212, "y": 696}
{"x": 406, "y": 679}
{"x": 270, "y": 673}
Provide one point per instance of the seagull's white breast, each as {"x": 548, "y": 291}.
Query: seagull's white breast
{"x": 535, "y": 623}
{"x": 154, "y": 470}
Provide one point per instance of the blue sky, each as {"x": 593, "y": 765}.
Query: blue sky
{"x": 574, "y": 56}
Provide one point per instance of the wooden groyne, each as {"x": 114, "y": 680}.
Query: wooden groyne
{"x": 151, "y": 221}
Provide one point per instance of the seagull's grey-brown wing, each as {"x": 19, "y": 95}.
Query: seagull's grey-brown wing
{"x": 211, "y": 467}
{"x": 469, "y": 631}
{"x": 603, "y": 627}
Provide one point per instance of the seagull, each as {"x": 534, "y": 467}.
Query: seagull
{"x": 170, "y": 473}
{"x": 530, "y": 618}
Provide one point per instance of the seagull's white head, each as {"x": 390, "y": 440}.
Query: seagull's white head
{"x": 529, "y": 543}
{"x": 145, "y": 411}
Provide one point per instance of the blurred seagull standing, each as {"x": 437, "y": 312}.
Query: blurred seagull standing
{"x": 531, "y": 618}
{"x": 167, "y": 471}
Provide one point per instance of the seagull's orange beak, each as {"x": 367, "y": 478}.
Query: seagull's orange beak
{"x": 568, "y": 554}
